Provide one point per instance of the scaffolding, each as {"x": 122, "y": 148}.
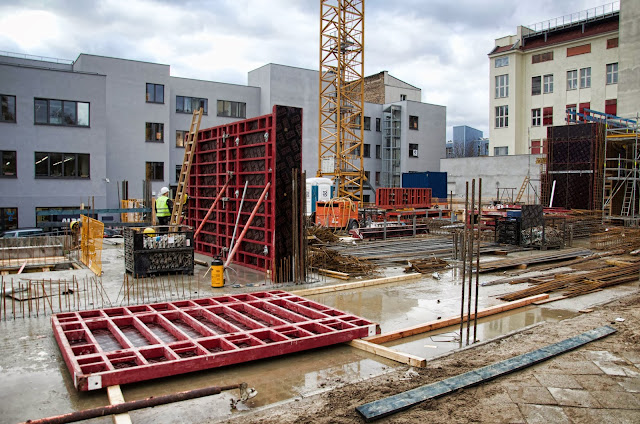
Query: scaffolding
{"x": 391, "y": 155}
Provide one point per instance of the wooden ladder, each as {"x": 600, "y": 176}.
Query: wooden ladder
{"x": 189, "y": 150}
{"x": 525, "y": 183}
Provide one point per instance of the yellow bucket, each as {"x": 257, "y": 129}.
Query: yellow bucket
{"x": 217, "y": 273}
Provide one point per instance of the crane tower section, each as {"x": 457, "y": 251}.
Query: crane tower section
{"x": 342, "y": 96}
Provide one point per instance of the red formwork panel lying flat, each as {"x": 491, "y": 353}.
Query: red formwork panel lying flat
{"x": 398, "y": 198}
{"x": 120, "y": 345}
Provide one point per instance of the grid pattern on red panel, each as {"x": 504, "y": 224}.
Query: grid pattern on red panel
{"x": 122, "y": 345}
{"x": 255, "y": 151}
{"x": 396, "y": 198}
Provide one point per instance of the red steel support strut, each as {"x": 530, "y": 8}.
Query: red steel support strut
{"x": 213, "y": 205}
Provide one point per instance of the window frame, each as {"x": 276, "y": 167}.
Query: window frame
{"x": 154, "y": 85}
{"x": 184, "y": 134}
{"x": 536, "y": 117}
{"x": 63, "y": 156}
{"x": 414, "y": 147}
{"x": 192, "y": 101}
{"x": 233, "y": 106}
{"x": 154, "y": 125}
{"x": 378, "y": 151}
{"x": 499, "y": 62}
{"x": 547, "y": 116}
{"x": 536, "y": 82}
{"x": 4, "y": 220}
{"x": 367, "y": 123}
{"x": 403, "y": 97}
{"x": 570, "y": 111}
{"x": 585, "y": 77}
{"x": 497, "y": 151}
{"x": 572, "y": 79}
{"x": 2, "y": 112}
{"x": 547, "y": 84}
{"x": 378, "y": 125}
{"x": 502, "y": 86}
{"x": 414, "y": 122}
{"x": 612, "y": 74}
{"x": 366, "y": 150}
{"x": 502, "y": 116}
{"x": 4, "y": 163}
{"x": 153, "y": 164}
{"x": 62, "y": 109}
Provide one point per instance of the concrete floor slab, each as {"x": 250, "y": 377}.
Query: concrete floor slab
{"x": 611, "y": 368}
{"x": 602, "y": 416}
{"x": 576, "y": 367}
{"x": 543, "y": 414}
{"x": 598, "y": 382}
{"x": 616, "y": 400}
{"x": 502, "y": 413}
{"x": 534, "y": 395}
{"x": 563, "y": 381}
{"x": 574, "y": 397}
{"x": 631, "y": 384}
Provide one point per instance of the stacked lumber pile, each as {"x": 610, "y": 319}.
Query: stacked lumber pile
{"x": 426, "y": 266}
{"x": 524, "y": 261}
{"x": 334, "y": 264}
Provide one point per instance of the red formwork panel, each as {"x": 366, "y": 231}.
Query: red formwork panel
{"x": 398, "y": 198}
{"x": 120, "y": 345}
{"x": 256, "y": 151}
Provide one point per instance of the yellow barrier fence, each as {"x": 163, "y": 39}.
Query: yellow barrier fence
{"x": 91, "y": 244}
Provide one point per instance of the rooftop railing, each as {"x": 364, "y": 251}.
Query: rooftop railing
{"x": 588, "y": 15}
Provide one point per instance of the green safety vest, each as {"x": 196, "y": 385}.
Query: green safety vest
{"x": 162, "y": 209}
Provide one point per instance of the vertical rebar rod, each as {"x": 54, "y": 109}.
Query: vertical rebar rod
{"x": 464, "y": 258}
{"x": 475, "y": 317}
{"x": 470, "y": 273}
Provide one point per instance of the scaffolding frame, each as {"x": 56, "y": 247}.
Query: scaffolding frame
{"x": 391, "y": 146}
{"x": 341, "y": 105}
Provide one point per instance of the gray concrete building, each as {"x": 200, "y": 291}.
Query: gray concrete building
{"x": 72, "y": 130}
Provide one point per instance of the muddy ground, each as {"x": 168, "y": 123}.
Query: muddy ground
{"x": 501, "y": 400}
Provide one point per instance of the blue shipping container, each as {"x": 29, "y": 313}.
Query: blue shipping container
{"x": 436, "y": 181}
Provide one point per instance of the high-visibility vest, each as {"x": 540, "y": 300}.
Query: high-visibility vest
{"x": 162, "y": 209}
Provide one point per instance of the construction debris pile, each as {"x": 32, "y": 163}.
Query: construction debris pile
{"x": 325, "y": 259}
{"x": 426, "y": 266}
{"x": 542, "y": 236}
{"x": 321, "y": 234}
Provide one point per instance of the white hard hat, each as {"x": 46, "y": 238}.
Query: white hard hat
{"x": 164, "y": 190}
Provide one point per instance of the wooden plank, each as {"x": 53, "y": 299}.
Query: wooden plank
{"x": 434, "y": 325}
{"x": 553, "y": 299}
{"x": 385, "y": 352}
{"x": 335, "y": 274}
{"x": 115, "y": 398}
{"x": 356, "y": 285}
{"x": 384, "y": 407}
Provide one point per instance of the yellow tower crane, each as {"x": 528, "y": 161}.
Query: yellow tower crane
{"x": 342, "y": 96}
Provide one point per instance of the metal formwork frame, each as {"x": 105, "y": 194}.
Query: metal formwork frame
{"x": 122, "y": 345}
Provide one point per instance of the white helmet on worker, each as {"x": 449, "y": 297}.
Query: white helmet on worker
{"x": 164, "y": 190}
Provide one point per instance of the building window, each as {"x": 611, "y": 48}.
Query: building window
{"x": 178, "y": 171}
{"x": 9, "y": 163}
{"x": 8, "y": 219}
{"x": 547, "y": 116}
{"x": 535, "y": 117}
{"x": 571, "y": 113}
{"x": 413, "y": 150}
{"x": 577, "y": 50}
{"x": 155, "y": 93}
{"x": 8, "y": 104}
{"x": 612, "y": 43}
{"x": 367, "y": 176}
{"x": 537, "y": 147}
{"x": 232, "y": 109}
{"x": 582, "y": 108}
{"x": 366, "y": 198}
{"x": 547, "y": 84}
{"x": 501, "y": 151}
{"x": 154, "y": 171}
{"x": 378, "y": 151}
{"x": 378, "y": 124}
{"x": 502, "y": 86}
{"x": 585, "y": 77}
{"x": 542, "y": 57}
{"x": 572, "y": 80}
{"x": 189, "y": 104}
{"x": 154, "y": 131}
{"x": 536, "y": 86}
{"x": 62, "y": 165}
{"x": 502, "y": 116}
{"x": 611, "y": 106}
{"x": 367, "y": 151}
{"x": 181, "y": 136}
{"x": 61, "y": 112}
{"x": 612, "y": 73}
{"x": 413, "y": 122}
{"x": 377, "y": 178}
{"x": 367, "y": 123}
{"x": 501, "y": 61}
{"x": 403, "y": 97}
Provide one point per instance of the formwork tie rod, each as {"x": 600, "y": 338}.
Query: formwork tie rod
{"x": 149, "y": 402}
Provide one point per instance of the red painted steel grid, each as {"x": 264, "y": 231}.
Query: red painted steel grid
{"x": 120, "y": 345}
{"x": 396, "y": 198}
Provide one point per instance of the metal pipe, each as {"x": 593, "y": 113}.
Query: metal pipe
{"x": 464, "y": 257}
{"x": 247, "y": 224}
{"x": 235, "y": 228}
{"x": 125, "y": 407}
{"x": 472, "y": 228}
{"x": 475, "y": 317}
{"x": 213, "y": 205}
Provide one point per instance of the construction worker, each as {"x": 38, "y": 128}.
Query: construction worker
{"x": 164, "y": 205}
{"x": 185, "y": 202}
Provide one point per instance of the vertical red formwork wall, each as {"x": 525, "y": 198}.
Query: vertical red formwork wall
{"x": 257, "y": 150}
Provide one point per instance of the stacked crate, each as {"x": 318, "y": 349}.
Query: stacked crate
{"x": 167, "y": 250}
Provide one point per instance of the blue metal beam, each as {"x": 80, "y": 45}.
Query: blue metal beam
{"x": 387, "y": 406}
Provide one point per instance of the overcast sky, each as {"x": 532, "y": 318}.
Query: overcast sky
{"x": 440, "y": 46}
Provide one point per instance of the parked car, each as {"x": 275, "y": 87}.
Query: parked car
{"x": 23, "y": 232}
{"x": 110, "y": 233}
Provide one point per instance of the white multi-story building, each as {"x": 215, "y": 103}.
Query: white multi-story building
{"x": 569, "y": 63}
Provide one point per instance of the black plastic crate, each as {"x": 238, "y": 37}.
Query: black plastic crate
{"x": 164, "y": 251}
